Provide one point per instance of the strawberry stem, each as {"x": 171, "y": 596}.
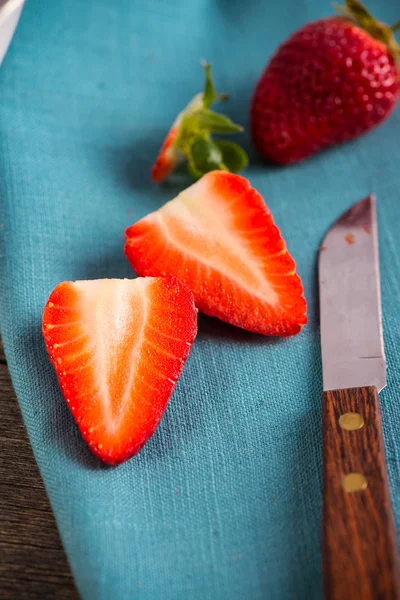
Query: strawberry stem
{"x": 209, "y": 93}
{"x": 356, "y": 12}
{"x": 198, "y": 124}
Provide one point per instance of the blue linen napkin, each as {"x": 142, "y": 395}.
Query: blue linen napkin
{"x": 225, "y": 499}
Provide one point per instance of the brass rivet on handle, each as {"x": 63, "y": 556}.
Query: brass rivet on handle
{"x": 351, "y": 421}
{"x": 354, "y": 482}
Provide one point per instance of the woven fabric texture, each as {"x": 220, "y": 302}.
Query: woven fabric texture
{"x": 224, "y": 502}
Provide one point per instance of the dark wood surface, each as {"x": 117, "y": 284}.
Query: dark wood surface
{"x": 32, "y": 560}
{"x": 359, "y": 539}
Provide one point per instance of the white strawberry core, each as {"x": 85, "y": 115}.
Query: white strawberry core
{"x": 213, "y": 238}
{"x": 114, "y": 315}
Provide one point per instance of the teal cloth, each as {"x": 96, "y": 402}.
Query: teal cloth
{"x": 225, "y": 499}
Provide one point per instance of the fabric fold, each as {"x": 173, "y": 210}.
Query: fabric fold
{"x": 225, "y": 499}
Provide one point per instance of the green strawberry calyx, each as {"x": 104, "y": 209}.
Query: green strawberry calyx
{"x": 196, "y": 125}
{"x": 355, "y": 11}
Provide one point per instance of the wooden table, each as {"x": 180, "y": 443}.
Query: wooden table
{"x": 32, "y": 560}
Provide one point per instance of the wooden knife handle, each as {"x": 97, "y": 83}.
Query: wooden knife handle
{"x": 360, "y": 557}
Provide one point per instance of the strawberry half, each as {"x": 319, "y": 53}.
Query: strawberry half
{"x": 220, "y": 239}
{"x": 118, "y": 347}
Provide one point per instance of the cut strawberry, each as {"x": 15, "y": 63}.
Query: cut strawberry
{"x": 171, "y": 155}
{"x": 118, "y": 347}
{"x": 220, "y": 239}
{"x": 190, "y": 138}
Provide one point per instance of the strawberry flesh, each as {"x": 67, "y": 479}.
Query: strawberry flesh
{"x": 219, "y": 238}
{"x": 167, "y": 158}
{"x": 118, "y": 348}
{"x": 170, "y": 155}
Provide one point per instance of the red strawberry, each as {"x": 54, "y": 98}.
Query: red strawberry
{"x": 331, "y": 81}
{"x": 118, "y": 347}
{"x": 220, "y": 239}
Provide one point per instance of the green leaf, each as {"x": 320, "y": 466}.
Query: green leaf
{"x": 396, "y": 26}
{"x": 233, "y": 155}
{"x": 358, "y": 10}
{"x": 209, "y": 94}
{"x": 193, "y": 170}
{"x": 216, "y": 123}
{"x": 205, "y": 154}
{"x": 196, "y": 126}
{"x": 342, "y": 10}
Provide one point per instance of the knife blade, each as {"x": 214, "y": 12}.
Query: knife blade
{"x": 350, "y": 304}
{"x": 360, "y": 559}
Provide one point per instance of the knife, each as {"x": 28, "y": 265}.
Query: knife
{"x": 360, "y": 558}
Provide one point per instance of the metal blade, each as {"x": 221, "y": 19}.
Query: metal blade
{"x": 350, "y": 302}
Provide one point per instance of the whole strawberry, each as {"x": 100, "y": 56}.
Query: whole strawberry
{"x": 332, "y": 80}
